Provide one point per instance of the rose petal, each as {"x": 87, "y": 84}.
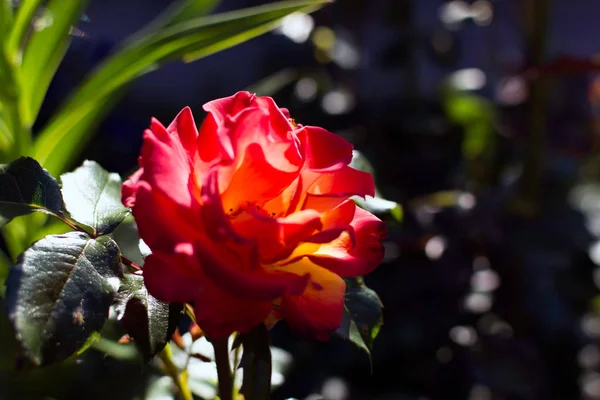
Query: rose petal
{"x": 220, "y": 314}
{"x": 323, "y": 150}
{"x": 185, "y": 128}
{"x": 214, "y": 143}
{"x": 346, "y": 182}
{"x": 281, "y": 204}
{"x": 223, "y": 109}
{"x": 317, "y": 312}
{"x": 179, "y": 278}
{"x": 130, "y": 187}
{"x": 256, "y": 283}
{"x": 216, "y": 222}
{"x": 167, "y": 166}
{"x": 161, "y": 222}
{"x": 171, "y": 277}
{"x": 276, "y": 237}
{"x": 355, "y": 252}
{"x": 256, "y": 181}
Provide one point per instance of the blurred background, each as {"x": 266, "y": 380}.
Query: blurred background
{"x": 481, "y": 118}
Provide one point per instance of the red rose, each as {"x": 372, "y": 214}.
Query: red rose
{"x": 250, "y": 220}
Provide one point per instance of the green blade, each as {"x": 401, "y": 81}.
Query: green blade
{"x": 191, "y": 39}
{"x": 43, "y": 54}
{"x": 22, "y": 23}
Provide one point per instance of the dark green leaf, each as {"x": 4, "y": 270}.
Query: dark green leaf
{"x": 60, "y": 292}
{"x": 25, "y": 187}
{"x": 93, "y": 197}
{"x": 362, "y": 314}
{"x": 256, "y": 362}
{"x": 378, "y": 204}
{"x": 127, "y": 237}
{"x": 150, "y": 322}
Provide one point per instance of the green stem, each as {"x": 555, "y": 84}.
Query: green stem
{"x": 223, "y": 368}
{"x": 166, "y": 356}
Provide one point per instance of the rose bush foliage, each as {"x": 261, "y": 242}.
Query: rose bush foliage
{"x": 250, "y": 219}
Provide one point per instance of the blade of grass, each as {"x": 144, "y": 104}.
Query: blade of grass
{"x": 6, "y": 21}
{"x": 56, "y": 147}
{"x": 43, "y": 54}
{"x": 22, "y": 23}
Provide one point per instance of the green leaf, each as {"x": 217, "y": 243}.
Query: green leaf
{"x": 256, "y": 362}
{"x": 22, "y": 23}
{"x": 4, "y": 268}
{"x": 179, "y": 11}
{"x": 363, "y": 316}
{"x": 93, "y": 197}
{"x": 476, "y": 115}
{"x": 43, "y": 54}
{"x": 6, "y": 21}
{"x": 127, "y": 237}
{"x": 377, "y": 204}
{"x": 189, "y": 39}
{"x": 60, "y": 292}
{"x": 26, "y": 187}
{"x": 150, "y": 322}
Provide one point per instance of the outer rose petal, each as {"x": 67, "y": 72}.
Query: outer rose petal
{"x": 352, "y": 254}
{"x": 318, "y": 311}
{"x": 178, "y": 277}
{"x": 171, "y": 278}
{"x": 162, "y": 223}
{"x": 167, "y": 166}
{"x": 324, "y": 150}
{"x": 226, "y": 108}
{"x": 184, "y": 126}
{"x": 130, "y": 187}
{"x": 335, "y": 222}
{"x": 220, "y": 314}
{"x": 344, "y": 183}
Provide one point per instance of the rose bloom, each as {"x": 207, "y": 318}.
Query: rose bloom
{"x": 250, "y": 218}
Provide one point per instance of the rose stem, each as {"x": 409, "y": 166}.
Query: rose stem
{"x": 166, "y": 356}
{"x": 223, "y": 369}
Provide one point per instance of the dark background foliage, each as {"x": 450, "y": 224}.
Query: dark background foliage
{"x": 490, "y": 284}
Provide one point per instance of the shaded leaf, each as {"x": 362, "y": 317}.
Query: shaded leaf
{"x": 363, "y": 317}
{"x": 127, "y": 237}
{"x": 191, "y": 38}
{"x": 150, "y": 322}
{"x": 93, "y": 197}
{"x": 378, "y": 204}
{"x": 60, "y": 292}
{"x": 26, "y": 187}
{"x": 256, "y": 362}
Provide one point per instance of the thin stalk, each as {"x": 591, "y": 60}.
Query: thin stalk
{"x": 166, "y": 356}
